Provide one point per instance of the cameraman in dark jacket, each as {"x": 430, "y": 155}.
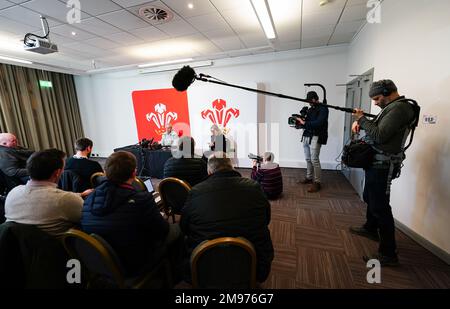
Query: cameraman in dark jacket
{"x": 228, "y": 205}
{"x": 315, "y": 134}
{"x": 388, "y": 132}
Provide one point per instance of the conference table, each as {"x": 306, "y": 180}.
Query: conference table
{"x": 150, "y": 163}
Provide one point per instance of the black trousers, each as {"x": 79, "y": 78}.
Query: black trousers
{"x": 379, "y": 213}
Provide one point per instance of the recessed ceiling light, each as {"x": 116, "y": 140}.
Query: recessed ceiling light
{"x": 190, "y": 5}
{"x": 323, "y": 2}
{"x": 74, "y": 33}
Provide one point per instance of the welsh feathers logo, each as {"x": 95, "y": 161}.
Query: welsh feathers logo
{"x": 161, "y": 117}
{"x": 220, "y": 114}
{"x": 154, "y": 109}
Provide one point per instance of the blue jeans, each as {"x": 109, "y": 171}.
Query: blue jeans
{"x": 379, "y": 212}
{"x": 312, "y": 152}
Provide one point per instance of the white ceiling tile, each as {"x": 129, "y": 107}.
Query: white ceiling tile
{"x": 356, "y": 12}
{"x": 208, "y": 22}
{"x": 288, "y": 45}
{"x": 66, "y": 30}
{"x": 97, "y": 26}
{"x": 342, "y": 38}
{"x": 150, "y": 34}
{"x": 124, "y": 38}
{"x": 345, "y": 27}
{"x": 324, "y": 18}
{"x": 52, "y": 8}
{"x": 228, "y": 4}
{"x": 18, "y": 1}
{"x": 102, "y": 43}
{"x": 85, "y": 48}
{"x": 17, "y": 27}
{"x": 314, "y": 32}
{"x": 130, "y": 3}
{"x": 59, "y": 39}
{"x": 177, "y": 28}
{"x": 312, "y": 6}
{"x": 228, "y": 42}
{"x": 315, "y": 42}
{"x": 124, "y": 20}
{"x": 5, "y": 4}
{"x": 26, "y": 16}
{"x": 244, "y": 19}
{"x": 253, "y": 39}
{"x": 201, "y": 7}
{"x": 96, "y": 7}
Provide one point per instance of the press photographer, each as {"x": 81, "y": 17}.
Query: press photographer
{"x": 315, "y": 134}
{"x": 268, "y": 174}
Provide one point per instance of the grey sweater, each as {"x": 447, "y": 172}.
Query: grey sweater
{"x": 388, "y": 129}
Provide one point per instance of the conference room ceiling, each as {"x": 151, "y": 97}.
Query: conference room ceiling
{"x": 112, "y": 34}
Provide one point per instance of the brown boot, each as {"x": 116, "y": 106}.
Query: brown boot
{"x": 305, "y": 181}
{"x": 315, "y": 187}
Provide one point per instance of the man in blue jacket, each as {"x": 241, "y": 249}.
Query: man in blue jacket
{"x": 127, "y": 219}
{"x": 315, "y": 134}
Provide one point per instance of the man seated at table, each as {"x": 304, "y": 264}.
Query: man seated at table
{"x": 170, "y": 137}
{"x": 184, "y": 165}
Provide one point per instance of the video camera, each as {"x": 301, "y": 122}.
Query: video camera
{"x": 145, "y": 143}
{"x": 294, "y": 123}
{"x": 257, "y": 158}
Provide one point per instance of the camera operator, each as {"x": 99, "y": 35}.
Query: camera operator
{"x": 388, "y": 133}
{"x": 315, "y": 135}
{"x": 268, "y": 175}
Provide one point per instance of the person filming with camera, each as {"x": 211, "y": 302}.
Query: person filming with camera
{"x": 268, "y": 175}
{"x": 315, "y": 134}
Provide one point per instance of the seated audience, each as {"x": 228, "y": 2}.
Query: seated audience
{"x": 127, "y": 219}
{"x": 13, "y": 160}
{"x": 185, "y": 166}
{"x": 226, "y": 204}
{"x": 39, "y": 202}
{"x": 81, "y": 165}
{"x": 269, "y": 176}
{"x": 170, "y": 137}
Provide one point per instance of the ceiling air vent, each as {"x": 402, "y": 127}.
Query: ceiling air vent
{"x": 155, "y": 15}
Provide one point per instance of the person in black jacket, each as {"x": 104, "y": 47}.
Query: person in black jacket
{"x": 315, "y": 134}
{"x": 81, "y": 165}
{"x": 127, "y": 219}
{"x": 184, "y": 165}
{"x": 13, "y": 160}
{"x": 226, "y": 204}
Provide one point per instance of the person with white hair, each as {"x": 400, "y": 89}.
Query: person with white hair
{"x": 268, "y": 175}
{"x": 170, "y": 137}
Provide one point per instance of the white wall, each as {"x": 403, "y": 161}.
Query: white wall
{"x": 108, "y": 117}
{"x": 411, "y": 46}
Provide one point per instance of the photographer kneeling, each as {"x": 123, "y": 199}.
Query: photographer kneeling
{"x": 268, "y": 174}
{"x": 315, "y": 135}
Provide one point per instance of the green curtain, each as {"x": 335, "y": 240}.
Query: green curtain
{"x": 41, "y": 118}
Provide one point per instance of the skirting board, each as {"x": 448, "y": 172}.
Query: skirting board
{"x": 423, "y": 242}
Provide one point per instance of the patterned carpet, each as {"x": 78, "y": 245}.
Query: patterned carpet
{"x": 313, "y": 248}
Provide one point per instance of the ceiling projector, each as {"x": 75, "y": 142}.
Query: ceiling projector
{"x": 40, "y": 46}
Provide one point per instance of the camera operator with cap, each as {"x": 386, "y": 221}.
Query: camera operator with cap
{"x": 315, "y": 135}
{"x": 387, "y": 134}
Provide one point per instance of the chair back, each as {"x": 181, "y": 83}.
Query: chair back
{"x": 224, "y": 263}
{"x": 70, "y": 181}
{"x": 97, "y": 179}
{"x": 173, "y": 193}
{"x": 95, "y": 255}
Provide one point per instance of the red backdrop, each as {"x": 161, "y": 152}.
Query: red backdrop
{"x": 154, "y": 109}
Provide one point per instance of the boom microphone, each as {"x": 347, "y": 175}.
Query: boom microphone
{"x": 184, "y": 78}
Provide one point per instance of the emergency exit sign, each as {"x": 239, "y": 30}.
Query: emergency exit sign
{"x": 45, "y": 84}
